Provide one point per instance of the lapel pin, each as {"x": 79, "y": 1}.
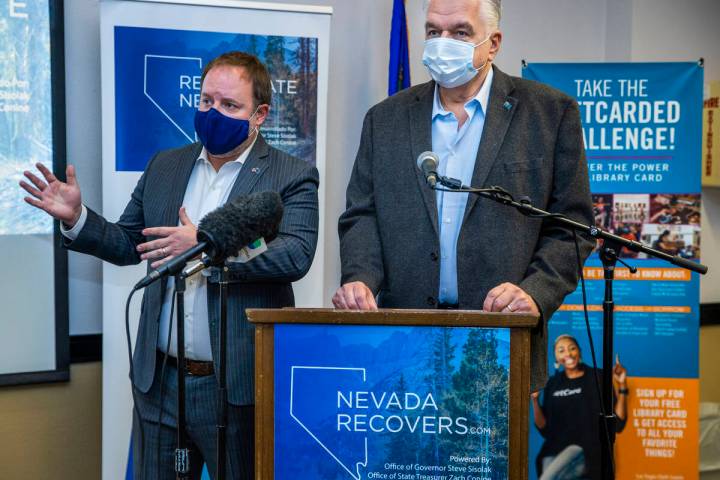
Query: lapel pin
{"x": 255, "y": 170}
{"x": 507, "y": 106}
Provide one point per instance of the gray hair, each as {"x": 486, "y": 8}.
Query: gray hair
{"x": 490, "y": 12}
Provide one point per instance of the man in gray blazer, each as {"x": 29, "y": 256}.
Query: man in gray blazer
{"x": 178, "y": 187}
{"x": 413, "y": 247}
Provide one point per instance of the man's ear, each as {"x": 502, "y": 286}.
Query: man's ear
{"x": 495, "y": 41}
{"x": 262, "y": 113}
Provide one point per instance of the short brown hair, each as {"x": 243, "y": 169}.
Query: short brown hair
{"x": 258, "y": 73}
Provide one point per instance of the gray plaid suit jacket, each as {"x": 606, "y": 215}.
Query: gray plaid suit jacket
{"x": 531, "y": 145}
{"x": 263, "y": 282}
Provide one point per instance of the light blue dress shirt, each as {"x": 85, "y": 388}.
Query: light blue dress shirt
{"x": 457, "y": 149}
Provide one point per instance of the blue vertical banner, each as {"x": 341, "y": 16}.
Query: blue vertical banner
{"x": 393, "y": 402}
{"x": 399, "y": 67}
{"x": 642, "y": 127}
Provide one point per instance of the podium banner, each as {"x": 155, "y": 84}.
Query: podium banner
{"x": 387, "y": 402}
{"x": 642, "y": 127}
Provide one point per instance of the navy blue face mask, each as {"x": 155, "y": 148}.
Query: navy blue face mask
{"x": 219, "y": 133}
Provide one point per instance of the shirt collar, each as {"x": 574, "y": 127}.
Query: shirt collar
{"x": 482, "y": 97}
{"x": 240, "y": 159}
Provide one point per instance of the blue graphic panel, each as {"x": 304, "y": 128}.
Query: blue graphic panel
{"x": 157, "y": 89}
{"x": 642, "y": 122}
{"x": 649, "y": 344}
{"x": 363, "y": 402}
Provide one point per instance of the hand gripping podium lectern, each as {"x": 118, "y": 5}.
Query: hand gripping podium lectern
{"x": 391, "y": 394}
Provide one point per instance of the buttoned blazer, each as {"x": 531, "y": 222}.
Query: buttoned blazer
{"x": 263, "y": 282}
{"x": 531, "y": 145}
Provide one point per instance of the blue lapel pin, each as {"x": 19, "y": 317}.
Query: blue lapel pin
{"x": 507, "y": 106}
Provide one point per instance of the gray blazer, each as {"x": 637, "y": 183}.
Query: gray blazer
{"x": 263, "y": 282}
{"x": 531, "y": 145}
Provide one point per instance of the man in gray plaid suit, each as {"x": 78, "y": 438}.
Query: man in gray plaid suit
{"x": 178, "y": 188}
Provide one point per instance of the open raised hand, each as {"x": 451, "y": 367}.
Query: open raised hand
{"x": 61, "y": 200}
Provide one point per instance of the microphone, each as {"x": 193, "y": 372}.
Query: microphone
{"x": 428, "y": 163}
{"x": 224, "y": 231}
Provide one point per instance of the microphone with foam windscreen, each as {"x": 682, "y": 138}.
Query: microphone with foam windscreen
{"x": 428, "y": 163}
{"x": 224, "y": 231}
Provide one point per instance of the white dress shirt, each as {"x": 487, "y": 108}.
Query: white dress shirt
{"x": 206, "y": 190}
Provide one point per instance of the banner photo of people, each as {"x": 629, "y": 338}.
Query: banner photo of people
{"x": 168, "y": 64}
{"x": 362, "y": 402}
{"x": 642, "y": 127}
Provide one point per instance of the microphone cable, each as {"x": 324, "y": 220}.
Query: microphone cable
{"x": 603, "y": 407}
{"x": 162, "y": 381}
{"x": 136, "y": 410}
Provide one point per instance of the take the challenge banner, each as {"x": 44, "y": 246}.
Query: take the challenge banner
{"x": 396, "y": 403}
{"x": 642, "y": 126}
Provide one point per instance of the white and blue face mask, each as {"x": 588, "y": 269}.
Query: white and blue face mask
{"x": 450, "y": 62}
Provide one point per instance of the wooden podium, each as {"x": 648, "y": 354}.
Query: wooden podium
{"x": 515, "y": 326}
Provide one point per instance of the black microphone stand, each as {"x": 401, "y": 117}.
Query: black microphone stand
{"x": 609, "y": 253}
{"x": 182, "y": 454}
{"x": 222, "y": 376}
{"x": 222, "y": 405}
{"x": 609, "y": 256}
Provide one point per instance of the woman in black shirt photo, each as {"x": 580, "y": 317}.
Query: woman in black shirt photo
{"x": 568, "y": 416}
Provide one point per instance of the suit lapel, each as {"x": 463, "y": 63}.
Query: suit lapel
{"x": 178, "y": 185}
{"x": 420, "y": 113}
{"x": 252, "y": 170}
{"x": 501, "y": 108}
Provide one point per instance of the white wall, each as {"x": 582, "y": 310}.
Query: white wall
{"x": 535, "y": 30}
{"x": 530, "y": 32}
{"x": 82, "y": 90}
{"x": 358, "y": 79}
{"x": 667, "y": 30}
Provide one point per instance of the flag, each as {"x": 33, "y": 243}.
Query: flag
{"x": 399, "y": 68}
{"x": 129, "y": 470}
